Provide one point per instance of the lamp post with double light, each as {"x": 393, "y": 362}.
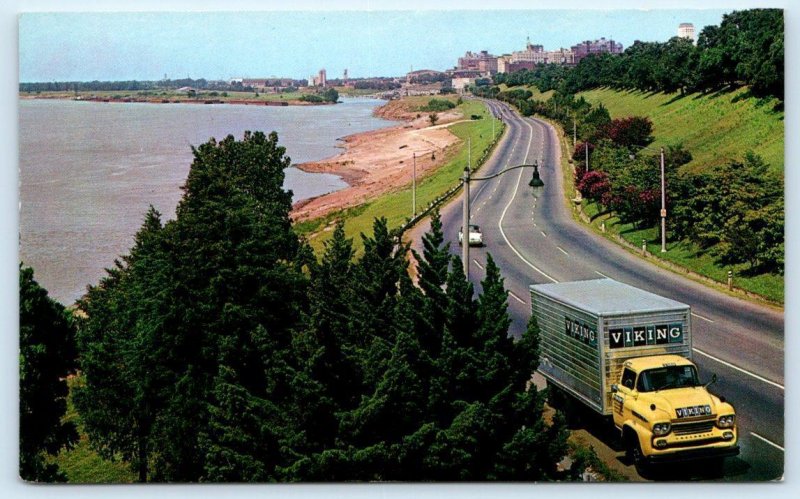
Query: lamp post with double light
{"x": 535, "y": 181}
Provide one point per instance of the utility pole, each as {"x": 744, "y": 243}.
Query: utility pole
{"x": 663, "y": 208}
{"x": 574, "y": 132}
{"x": 414, "y": 188}
{"x": 586, "y": 149}
{"x": 469, "y": 152}
{"x": 465, "y": 224}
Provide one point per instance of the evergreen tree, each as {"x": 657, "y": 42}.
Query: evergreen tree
{"x": 121, "y": 350}
{"x": 432, "y": 268}
{"x": 46, "y": 357}
{"x": 376, "y": 277}
{"x": 184, "y": 316}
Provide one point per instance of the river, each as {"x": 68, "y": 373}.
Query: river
{"x": 88, "y": 171}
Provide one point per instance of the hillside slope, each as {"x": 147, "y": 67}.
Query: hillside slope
{"x": 715, "y": 128}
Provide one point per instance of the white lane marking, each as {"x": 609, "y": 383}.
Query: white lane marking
{"x": 767, "y": 441}
{"x": 478, "y": 264}
{"x": 601, "y": 274}
{"x": 512, "y": 295}
{"x": 562, "y": 250}
{"x": 503, "y": 215}
{"x": 545, "y": 235}
{"x": 728, "y": 364}
{"x": 701, "y": 317}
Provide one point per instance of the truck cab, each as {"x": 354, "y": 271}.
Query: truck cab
{"x": 665, "y": 414}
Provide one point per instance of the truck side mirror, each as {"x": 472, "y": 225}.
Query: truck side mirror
{"x": 614, "y": 388}
{"x": 713, "y": 380}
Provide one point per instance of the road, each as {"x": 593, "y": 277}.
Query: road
{"x": 533, "y": 239}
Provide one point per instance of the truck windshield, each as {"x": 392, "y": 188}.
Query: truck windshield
{"x": 664, "y": 378}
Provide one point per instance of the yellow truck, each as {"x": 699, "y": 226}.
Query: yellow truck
{"x": 626, "y": 354}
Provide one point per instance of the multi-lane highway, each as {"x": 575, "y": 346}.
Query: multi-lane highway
{"x": 533, "y": 239}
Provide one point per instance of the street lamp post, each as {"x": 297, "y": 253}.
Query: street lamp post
{"x": 586, "y": 150}
{"x": 414, "y": 188}
{"x": 663, "y": 208}
{"x": 663, "y": 212}
{"x": 465, "y": 180}
{"x": 465, "y": 223}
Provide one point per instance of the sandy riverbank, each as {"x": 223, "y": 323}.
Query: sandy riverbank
{"x": 381, "y": 161}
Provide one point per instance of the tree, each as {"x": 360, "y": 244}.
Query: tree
{"x": 46, "y": 357}
{"x": 121, "y": 351}
{"x": 173, "y": 332}
{"x": 433, "y": 118}
{"x": 432, "y": 268}
{"x": 330, "y": 95}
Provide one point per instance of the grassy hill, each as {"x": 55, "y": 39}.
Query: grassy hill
{"x": 715, "y": 128}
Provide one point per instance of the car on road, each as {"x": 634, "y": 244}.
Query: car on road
{"x": 475, "y": 236}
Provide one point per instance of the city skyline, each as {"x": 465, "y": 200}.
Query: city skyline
{"x": 222, "y": 45}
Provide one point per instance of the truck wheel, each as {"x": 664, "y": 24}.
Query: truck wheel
{"x": 633, "y": 452}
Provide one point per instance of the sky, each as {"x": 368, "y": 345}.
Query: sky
{"x": 85, "y": 46}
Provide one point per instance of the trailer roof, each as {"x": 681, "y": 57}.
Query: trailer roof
{"x": 607, "y": 297}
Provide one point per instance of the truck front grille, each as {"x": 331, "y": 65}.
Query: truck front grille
{"x": 693, "y": 428}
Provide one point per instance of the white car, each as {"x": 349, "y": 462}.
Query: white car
{"x": 475, "y": 236}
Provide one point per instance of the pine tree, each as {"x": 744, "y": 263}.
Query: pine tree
{"x": 376, "y": 277}
{"x": 46, "y": 357}
{"x": 122, "y": 350}
{"x": 432, "y": 267}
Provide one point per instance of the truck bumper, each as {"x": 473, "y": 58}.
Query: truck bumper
{"x": 694, "y": 454}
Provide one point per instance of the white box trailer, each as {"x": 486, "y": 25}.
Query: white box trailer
{"x": 588, "y": 329}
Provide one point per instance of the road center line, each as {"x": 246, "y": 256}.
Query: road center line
{"x": 545, "y": 235}
{"x": 478, "y": 264}
{"x": 736, "y": 368}
{"x": 505, "y": 210}
{"x": 767, "y": 441}
{"x": 703, "y": 318}
{"x": 562, "y": 250}
{"x": 601, "y": 274}
{"x": 512, "y": 295}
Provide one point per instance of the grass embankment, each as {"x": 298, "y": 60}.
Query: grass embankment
{"x": 81, "y": 464}
{"x": 716, "y": 128}
{"x": 396, "y": 206}
{"x": 537, "y": 94}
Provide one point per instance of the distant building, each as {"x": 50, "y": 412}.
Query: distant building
{"x": 459, "y": 84}
{"x": 532, "y": 56}
{"x": 318, "y": 80}
{"x": 686, "y": 30}
{"x": 600, "y": 46}
{"x": 483, "y": 62}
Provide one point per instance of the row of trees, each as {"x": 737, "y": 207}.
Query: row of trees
{"x": 220, "y": 349}
{"x": 745, "y": 49}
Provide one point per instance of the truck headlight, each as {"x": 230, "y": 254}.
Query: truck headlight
{"x": 726, "y": 421}
{"x": 661, "y": 429}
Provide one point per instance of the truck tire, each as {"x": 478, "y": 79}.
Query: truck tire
{"x": 633, "y": 453}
